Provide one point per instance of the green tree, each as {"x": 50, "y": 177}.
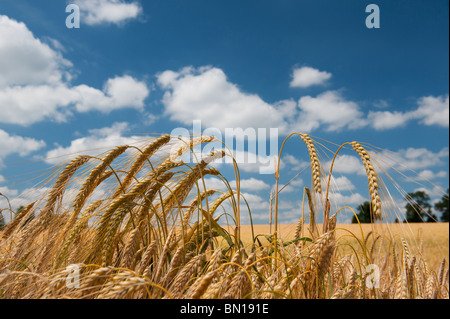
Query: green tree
{"x": 363, "y": 214}
{"x": 418, "y": 206}
{"x": 442, "y": 206}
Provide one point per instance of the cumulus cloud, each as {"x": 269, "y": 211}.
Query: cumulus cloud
{"x": 433, "y": 110}
{"x": 255, "y": 202}
{"x": 8, "y": 192}
{"x": 35, "y": 82}
{"x": 250, "y": 184}
{"x": 416, "y": 158}
{"x": 347, "y": 200}
{"x": 331, "y": 110}
{"x": 347, "y": 164}
{"x": 430, "y": 175}
{"x": 255, "y": 163}
{"x": 25, "y": 105}
{"x": 13, "y": 144}
{"x": 95, "y": 12}
{"x": 295, "y": 163}
{"x": 306, "y": 76}
{"x": 435, "y": 192}
{"x": 97, "y": 141}
{"x": 388, "y": 120}
{"x": 119, "y": 92}
{"x": 342, "y": 183}
{"x": 206, "y": 94}
{"x": 26, "y": 60}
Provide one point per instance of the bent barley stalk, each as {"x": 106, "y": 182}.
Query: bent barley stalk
{"x": 373, "y": 180}
{"x": 315, "y": 163}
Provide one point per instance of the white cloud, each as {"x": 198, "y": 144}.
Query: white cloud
{"x": 255, "y": 163}
{"x": 118, "y": 92}
{"x": 381, "y": 104}
{"x": 34, "y": 82}
{"x": 297, "y": 182}
{"x": 342, "y": 183}
{"x": 96, "y": 12}
{"x": 206, "y": 94}
{"x": 25, "y": 60}
{"x": 25, "y": 105}
{"x": 415, "y": 158}
{"x": 433, "y": 110}
{"x": 8, "y": 192}
{"x": 346, "y": 200}
{"x": 306, "y": 76}
{"x": 17, "y": 199}
{"x": 255, "y": 202}
{"x": 434, "y": 192}
{"x": 284, "y": 188}
{"x": 250, "y": 184}
{"x": 25, "y": 197}
{"x": 430, "y": 175}
{"x": 329, "y": 109}
{"x": 295, "y": 163}
{"x": 212, "y": 183}
{"x": 13, "y": 144}
{"x": 388, "y": 120}
{"x": 347, "y": 164}
{"x": 98, "y": 140}
{"x": 295, "y": 185}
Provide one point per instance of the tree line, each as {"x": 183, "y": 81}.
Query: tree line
{"x": 418, "y": 209}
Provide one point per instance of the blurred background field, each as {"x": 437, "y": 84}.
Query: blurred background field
{"x": 432, "y": 239}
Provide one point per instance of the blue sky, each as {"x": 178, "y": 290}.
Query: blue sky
{"x": 144, "y": 67}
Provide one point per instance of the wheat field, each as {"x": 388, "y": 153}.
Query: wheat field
{"x": 430, "y": 238}
{"x": 134, "y": 222}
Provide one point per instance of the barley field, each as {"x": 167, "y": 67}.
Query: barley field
{"x": 134, "y": 223}
{"x": 432, "y": 239}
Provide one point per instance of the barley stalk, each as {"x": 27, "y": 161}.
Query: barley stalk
{"x": 373, "y": 180}
{"x": 315, "y": 163}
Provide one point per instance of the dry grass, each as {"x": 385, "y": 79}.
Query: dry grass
{"x": 135, "y": 222}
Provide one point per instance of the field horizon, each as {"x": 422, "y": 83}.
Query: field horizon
{"x": 434, "y": 236}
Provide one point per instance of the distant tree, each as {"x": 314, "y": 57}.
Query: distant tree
{"x": 418, "y": 206}
{"x": 442, "y": 206}
{"x": 363, "y": 214}
{"x": 432, "y": 218}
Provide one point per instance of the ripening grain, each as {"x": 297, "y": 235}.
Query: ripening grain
{"x": 136, "y": 222}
